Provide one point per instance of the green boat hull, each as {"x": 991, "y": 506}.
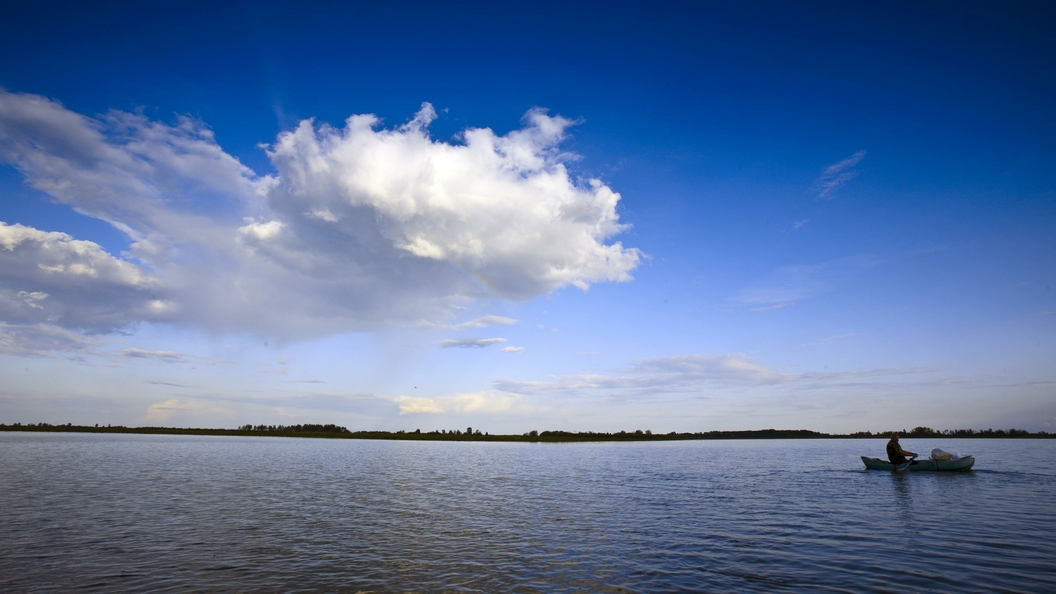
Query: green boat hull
{"x": 963, "y": 463}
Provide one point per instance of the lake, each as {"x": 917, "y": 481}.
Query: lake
{"x": 157, "y": 513}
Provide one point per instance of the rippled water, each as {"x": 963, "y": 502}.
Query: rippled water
{"x": 137, "y": 512}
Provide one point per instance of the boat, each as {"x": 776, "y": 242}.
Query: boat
{"x": 962, "y": 463}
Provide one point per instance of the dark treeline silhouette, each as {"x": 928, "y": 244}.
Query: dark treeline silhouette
{"x": 335, "y": 431}
{"x": 328, "y": 428}
{"x": 929, "y": 432}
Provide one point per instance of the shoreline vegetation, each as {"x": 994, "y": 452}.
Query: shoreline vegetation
{"x": 332, "y": 431}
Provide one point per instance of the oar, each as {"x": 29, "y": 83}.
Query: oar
{"x": 906, "y": 465}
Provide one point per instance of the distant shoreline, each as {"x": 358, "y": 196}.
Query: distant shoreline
{"x": 334, "y": 432}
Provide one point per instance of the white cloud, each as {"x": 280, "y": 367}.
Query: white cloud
{"x": 470, "y": 342}
{"x": 502, "y": 210}
{"x": 511, "y": 349}
{"x": 260, "y": 231}
{"x": 322, "y": 214}
{"x": 799, "y": 224}
{"x": 362, "y": 227}
{"x": 414, "y": 405}
{"x": 836, "y": 175}
{"x": 484, "y": 402}
{"x": 485, "y": 321}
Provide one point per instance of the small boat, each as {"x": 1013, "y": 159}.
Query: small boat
{"x": 962, "y": 463}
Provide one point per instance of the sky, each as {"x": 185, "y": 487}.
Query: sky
{"x": 564, "y": 216}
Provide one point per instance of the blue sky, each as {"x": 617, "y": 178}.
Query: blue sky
{"x": 725, "y": 217}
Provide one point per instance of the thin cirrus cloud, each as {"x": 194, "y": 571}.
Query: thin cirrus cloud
{"x": 166, "y": 356}
{"x": 362, "y": 227}
{"x": 163, "y": 411}
{"x": 836, "y": 176}
{"x": 41, "y": 340}
{"x": 700, "y": 375}
{"x": 788, "y": 285}
{"x": 674, "y": 373}
{"x": 772, "y": 307}
{"x": 169, "y": 384}
{"x": 485, "y": 321}
{"x": 831, "y": 339}
{"x": 469, "y": 343}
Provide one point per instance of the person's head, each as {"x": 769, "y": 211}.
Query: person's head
{"x": 894, "y": 437}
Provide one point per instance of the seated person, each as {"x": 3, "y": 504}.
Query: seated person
{"x": 895, "y": 453}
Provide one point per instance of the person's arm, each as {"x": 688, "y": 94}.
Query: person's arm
{"x": 905, "y": 453}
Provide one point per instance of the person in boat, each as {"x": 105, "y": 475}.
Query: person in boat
{"x": 895, "y": 453}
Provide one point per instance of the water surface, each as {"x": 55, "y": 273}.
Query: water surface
{"x": 145, "y": 512}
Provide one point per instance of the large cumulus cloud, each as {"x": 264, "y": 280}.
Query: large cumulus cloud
{"x": 361, "y": 227}
{"x": 501, "y": 209}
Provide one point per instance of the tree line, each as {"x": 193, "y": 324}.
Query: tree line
{"x": 308, "y": 428}
{"x": 470, "y": 434}
{"x": 929, "y": 432}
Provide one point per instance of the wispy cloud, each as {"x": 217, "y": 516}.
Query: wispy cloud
{"x": 167, "y": 356}
{"x": 1032, "y": 384}
{"x": 787, "y": 284}
{"x": 799, "y": 224}
{"x": 836, "y": 175}
{"x": 774, "y": 306}
{"x": 163, "y": 411}
{"x": 361, "y": 404}
{"x": 699, "y": 375}
{"x": 470, "y": 342}
{"x": 650, "y": 377}
{"x": 40, "y": 340}
{"x": 831, "y": 339}
{"x": 485, "y": 321}
{"x": 872, "y": 379}
{"x": 795, "y": 283}
{"x": 481, "y": 322}
{"x": 511, "y": 349}
{"x": 170, "y": 384}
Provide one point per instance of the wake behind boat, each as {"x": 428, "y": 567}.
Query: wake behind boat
{"x": 962, "y": 463}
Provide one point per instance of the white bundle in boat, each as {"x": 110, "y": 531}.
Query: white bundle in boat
{"x": 943, "y": 456}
